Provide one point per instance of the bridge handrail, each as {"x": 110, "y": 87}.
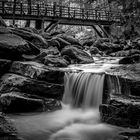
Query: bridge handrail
{"x": 54, "y": 10}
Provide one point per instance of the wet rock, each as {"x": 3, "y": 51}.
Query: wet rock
{"x": 70, "y": 39}
{"x": 62, "y": 43}
{"x": 94, "y": 50}
{"x": 7, "y": 128}
{"x": 77, "y": 55}
{"x": 121, "y": 111}
{"x": 130, "y": 59}
{"x": 14, "y": 82}
{"x": 55, "y": 61}
{"x": 38, "y": 71}
{"x": 4, "y": 30}
{"x": 30, "y": 29}
{"x": 120, "y": 53}
{"x": 15, "y": 102}
{"x": 36, "y": 39}
{"x": 47, "y": 36}
{"x": 4, "y": 66}
{"x": 89, "y": 42}
{"x": 13, "y": 46}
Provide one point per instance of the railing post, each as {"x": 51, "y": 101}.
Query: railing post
{"x": 38, "y": 10}
{"x": 60, "y": 10}
{"x": 54, "y": 8}
{"x": 68, "y": 12}
{"x": 21, "y": 9}
{"x": 95, "y": 14}
{"x": 3, "y": 7}
{"x": 46, "y": 11}
{"x": 82, "y": 13}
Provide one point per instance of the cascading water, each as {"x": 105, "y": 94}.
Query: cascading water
{"x": 79, "y": 117}
{"x": 83, "y": 89}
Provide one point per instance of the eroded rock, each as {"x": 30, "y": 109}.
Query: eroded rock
{"x": 122, "y": 111}
{"x": 14, "y": 102}
{"x": 77, "y": 55}
{"x": 38, "y": 71}
{"x": 13, "y": 46}
{"x": 14, "y": 82}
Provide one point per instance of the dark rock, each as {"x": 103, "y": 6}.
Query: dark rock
{"x": 130, "y": 59}
{"x": 36, "y": 39}
{"x": 51, "y": 51}
{"x": 55, "y": 61}
{"x": 38, "y": 71}
{"x": 121, "y": 111}
{"x": 15, "y": 102}
{"x": 4, "y": 30}
{"x": 99, "y": 41}
{"x": 63, "y": 43}
{"x": 94, "y": 50}
{"x": 30, "y": 29}
{"x": 77, "y": 55}
{"x": 120, "y": 53}
{"x": 47, "y": 36}
{"x": 14, "y": 82}
{"x": 89, "y": 42}
{"x": 70, "y": 39}
{"x": 7, "y": 128}
{"x": 4, "y": 66}
{"x": 13, "y": 46}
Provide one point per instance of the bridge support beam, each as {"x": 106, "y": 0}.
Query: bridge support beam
{"x": 107, "y": 29}
{"x": 96, "y": 30}
{"x": 39, "y": 24}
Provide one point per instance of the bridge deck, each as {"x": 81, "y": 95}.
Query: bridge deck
{"x": 53, "y": 12}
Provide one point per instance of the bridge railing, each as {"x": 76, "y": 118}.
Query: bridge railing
{"x": 53, "y": 10}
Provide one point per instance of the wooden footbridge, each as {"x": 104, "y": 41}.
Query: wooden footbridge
{"x": 56, "y": 13}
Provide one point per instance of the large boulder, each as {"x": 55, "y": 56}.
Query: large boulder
{"x": 36, "y": 39}
{"x": 77, "y": 55}
{"x": 38, "y": 71}
{"x": 58, "y": 42}
{"x": 14, "y": 102}
{"x": 4, "y": 66}
{"x": 55, "y": 61}
{"x": 13, "y": 82}
{"x": 122, "y": 111}
{"x": 130, "y": 59}
{"x": 13, "y": 46}
{"x": 70, "y": 39}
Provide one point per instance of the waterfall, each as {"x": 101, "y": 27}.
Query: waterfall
{"x": 83, "y": 89}
{"x": 116, "y": 85}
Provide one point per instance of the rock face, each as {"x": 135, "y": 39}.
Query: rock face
{"x": 121, "y": 111}
{"x": 20, "y": 102}
{"x": 13, "y": 46}
{"x": 38, "y": 71}
{"x": 14, "y": 82}
{"x": 77, "y": 55}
